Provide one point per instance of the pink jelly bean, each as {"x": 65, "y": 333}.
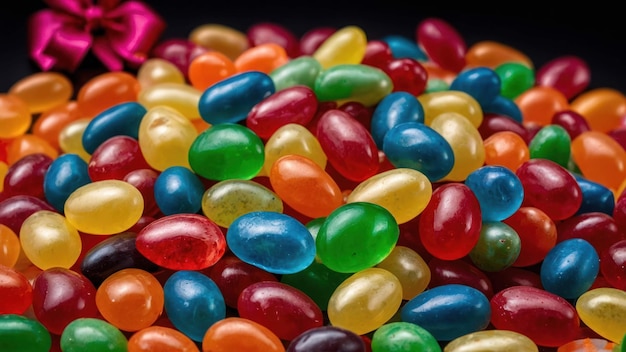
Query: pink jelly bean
{"x": 266, "y": 32}
{"x": 442, "y": 43}
{"x": 25, "y": 176}
{"x": 14, "y": 210}
{"x": 568, "y": 74}
{"x": 573, "y": 122}
{"x": 311, "y": 40}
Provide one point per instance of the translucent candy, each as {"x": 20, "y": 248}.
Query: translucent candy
{"x": 344, "y": 46}
{"x": 42, "y": 91}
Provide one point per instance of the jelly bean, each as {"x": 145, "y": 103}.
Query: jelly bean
{"x": 61, "y": 296}
{"x": 550, "y": 188}
{"x": 296, "y": 104}
{"x": 588, "y": 344}
{"x": 193, "y": 303}
{"x": 9, "y": 246}
{"x": 221, "y": 38}
{"x": 115, "y": 158}
{"x": 599, "y": 229}
{"x": 570, "y": 268}
{"x": 506, "y": 148}
{"x": 353, "y": 82}
{"x": 317, "y": 281}
{"x": 226, "y": 151}
{"x": 273, "y": 233}
{"x": 50, "y": 123}
{"x": 19, "y": 333}
{"x": 14, "y": 210}
{"x": 499, "y": 191}
{"x": 105, "y": 91}
{"x": 311, "y": 40}
{"x": 504, "y": 106}
{"x": 327, "y": 338}
{"x": 572, "y": 122}
{"x": 450, "y": 229}
{"x": 92, "y": 334}
{"x": 568, "y": 74}
{"x": 437, "y": 103}
{"x": 404, "y": 47}
{"x": 178, "y": 96}
{"x": 393, "y": 109}
{"x": 612, "y": 264}
{"x": 604, "y": 311}
{"x": 165, "y": 137}
{"x": 268, "y": 32}
{"x": 43, "y": 90}
{"x": 144, "y": 180}
{"x": 346, "y": 46}
{"x": 482, "y": 83}
{"x": 71, "y": 138}
{"x": 492, "y": 54}
{"x": 112, "y": 255}
{"x": 514, "y": 276}
{"x": 436, "y": 85}
{"x": 498, "y": 247}
{"x": 515, "y": 78}
{"x": 365, "y": 301}
{"x": 377, "y": 53}
{"x": 600, "y": 158}
{"x": 603, "y": 108}
{"x": 155, "y": 71}
{"x": 179, "y": 51}
{"x": 16, "y": 292}
{"x": 493, "y": 123}
{"x": 293, "y": 139}
{"x": 442, "y": 43}
{"x": 492, "y": 341}
{"x": 28, "y": 144}
{"x": 539, "y": 103}
{"x": 160, "y": 339}
{"x": 417, "y": 146}
{"x": 301, "y": 71}
{"x": 537, "y": 233}
{"x": 209, "y": 68}
{"x": 458, "y": 271}
{"x": 26, "y": 176}
{"x": 407, "y": 75}
{"x": 398, "y": 336}
{"x": 16, "y": 117}
{"x": 49, "y": 240}
{"x": 240, "y": 334}
{"x": 178, "y": 190}
{"x": 410, "y": 268}
{"x": 119, "y": 119}
{"x": 596, "y": 197}
{"x": 226, "y": 200}
{"x": 356, "y": 236}
{"x": 263, "y": 58}
{"x": 551, "y": 142}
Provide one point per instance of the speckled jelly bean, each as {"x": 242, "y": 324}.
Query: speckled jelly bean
{"x": 89, "y": 334}
{"x": 290, "y": 242}
{"x": 492, "y": 341}
{"x": 568, "y": 74}
{"x": 537, "y": 234}
{"x": 193, "y": 303}
{"x": 612, "y": 264}
{"x": 353, "y": 82}
{"x": 16, "y": 117}
{"x": 209, "y": 68}
{"x": 182, "y": 242}
{"x": 491, "y": 53}
{"x": 403, "y": 336}
{"x": 600, "y": 158}
{"x": 26, "y": 176}
{"x": 224, "y": 39}
{"x": 19, "y": 333}
{"x": 393, "y": 109}
{"x": 160, "y": 339}
{"x": 551, "y": 142}
{"x": 327, "y": 338}
{"x": 499, "y": 191}
{"x": 293, "y": 139}
{"x": 10, "y": 246}
{"x": 459, "y": 271}
{"x": 240, "y": 334}
{"x": 178, "y": 190}
{"x": 43, "y": 90}
{"x": 570, "y": 268}
{"x": 344, "y": 46}
{"x": 497, "y": 248}
{"x": 356, "y": 236}
{"x": 301, "y": 71}
{"x": 515, "y": 78}
{"x": 442, "y": 43}
{"x": 410, "y": 268}
{"x": 449, "y": 226}
{"x": 16, "y": 291}
{"x": 596, "y": 197}
{"x": 482, "y": 83}
{"x": 549, "y": 187}
{"x": 179, "y": 96}
{"x": 120, "y": 119}
{"x": 156, "y": 70}
{"x": 106, "y": 90}
{"x": 604, "y": 311}
{"x": 64, "y": 175}
{"x": 437, "y": 103}
{"x": 546, "y": 318}
{"x": 317, "y": 281}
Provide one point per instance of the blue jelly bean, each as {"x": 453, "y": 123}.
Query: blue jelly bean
{"x": 403, "y": 47}
{"x": 394, "y": 109}
{"x": 596, "y": 197}
{"x": 119, "y": 120}
{"x": 503, "y": 106}
{"x": 416, "y": 146}
{"x": 570, "y": 268}
{"x": 193, "y": 303}
{"x": 178, "y": 190}
{"x": 274, "y": 242}
{"x": 448, "y": 311}
{"x": 482, "y": 83}
{"x": 231, "y": 99}
{"x": 64, "y": 175}
{"x": 499, "y": 191}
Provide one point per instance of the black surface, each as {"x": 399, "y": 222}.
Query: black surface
{"x": 543, "y": 31}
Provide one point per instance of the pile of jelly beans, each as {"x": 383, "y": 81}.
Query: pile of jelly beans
{"x": 259, "y": 191}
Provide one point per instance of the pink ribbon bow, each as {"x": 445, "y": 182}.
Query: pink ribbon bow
{"x": 117, "y": 33}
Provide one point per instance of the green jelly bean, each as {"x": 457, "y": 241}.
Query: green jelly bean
{"x": 551, "y": 142}
{"x": 515, "y": 79}
{"x": 227, "y": 151}
{"x": 93, "y": 335}
{"x": 314, "y": 226}
{"x": 356, "y": 236}
{"x": 21, "y": 334}
{"x": 353, "y": 82}
{"x": 497, "y": 248}
{"x": 299, "y": 71}
{"x": 436, "y": 85}
{"x": 403, "y": 336}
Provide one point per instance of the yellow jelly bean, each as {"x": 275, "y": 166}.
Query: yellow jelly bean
{"x": 365, "y": 301}
{"x": 466, "y": 142}
{"x": 227, "y": 200}
{"x": 104, "y": 207}
{"x": 9, "y": 246}
{"x": 15, "y": 116}
{"x": 155, "y": 71}
{"x": 346, "y": 46}
{"x": 436, "y": 103}
{"x": 49, "y": 240}
{"x": 404, "y": 192}
{"x": 178, "y": 96}
{"x": 603, "y": 310}
{"x": 224, "y": 39}
{"x": 410, "y": 268}
{"x": 71, "y": 139}
{"x": 165, "y": 137}
{"x": 492, "y": 341}
{"x": 42, "y": 91}
{"x": 293, "y": 139}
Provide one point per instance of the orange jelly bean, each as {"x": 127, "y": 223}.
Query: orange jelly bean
{"x": 240, "y": 334}
{"x": 160, "y": 339}
{"x": 506, "y": 148}
{"x": 9, "y": 247}
{"x": 538, "y": 104}
{"x": 436, "y": 72}
{"x": 493, "y": 54}
{"x": 600, "y": 158}
{"x": 264, "y": 58}
{"x": 43, "y": 90}
{"x": 224, "y": 39}
{"x": 51, "y": 122}
{"x": 209, "y": 68}
{"x": 15, "y": 116}
{"x": 106, "y": 90}
{"x": 29, "y": 144}
{"x": 602, "y": 108}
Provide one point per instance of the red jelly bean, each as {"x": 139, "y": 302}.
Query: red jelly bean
{"x": 514, "y": 276}
{"x": 311, "y": 40}
{"x": 179, "y": 52}
{"x": 143, "y": 180}
{"x": 619, "y": 213}
{"x": 377, "y": 54}
{"x": 14, "y": 210}
{"x": 537, "y": 233}
{"x": 25, "y": 177}
{"x": 444, "y": 272}
{"x": 573, "y": 122}
{"x": 442, "y": 43}
{"x": 599, "y": 229}
{"x": 16, "y": 292}
{"x": 619, "y": 135}
{"x": 407, "y": 75}
{"x": 115, "y": 158}
{"x": 613, "y": 265}
{"x": 568, "y": 74}
{"x": 265, "y": 32}
{"x": 493, "y": 123}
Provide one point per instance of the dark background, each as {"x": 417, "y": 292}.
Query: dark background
{"x": 543, "y": 31}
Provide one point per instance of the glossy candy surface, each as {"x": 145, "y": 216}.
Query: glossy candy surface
{"x": 570, "y": 268}
{"x": 160, "y": 339}
{"x": 178, "y": 96}
{"x": 327, "y": 338}
{"x": 16, "y": 117}
{"x": 604, "y": 311}
{"x": 537, "y": 233}
{"x": 393, "y": 109}
{"x": 65, "y": 174}
{"x": 318, "y": 282}
{"x": 498, "y": 247}
{"x": 492, "y": 341}
{"x": 293, "y": 139}
{"x": 105, "y": 91}
{"x": 499, "y": 191}
{"x": 178, "y": 190}
{"x": 19, "y": 333}
{"x": 240, "y": 334}
{"x": 43, "y": 90}
{"x": 16, "y": 292}
{"x": 300, "y": 71}
{"x": 353, "y": 82}
{"x": 343, "y": 47}
{"x": 398, "y": 336}
{"x": 92, "y": 334}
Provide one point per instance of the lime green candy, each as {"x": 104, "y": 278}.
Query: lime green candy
{"x": 21, "y": 334}
{"x": 353, "y": 82}
{"x": 552, "y": 142}
{"x": 515, "y": 79}
{"x": 403, "y": 336}
{"x": 93, "y": 335}
{"x": 300, "y": 71}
